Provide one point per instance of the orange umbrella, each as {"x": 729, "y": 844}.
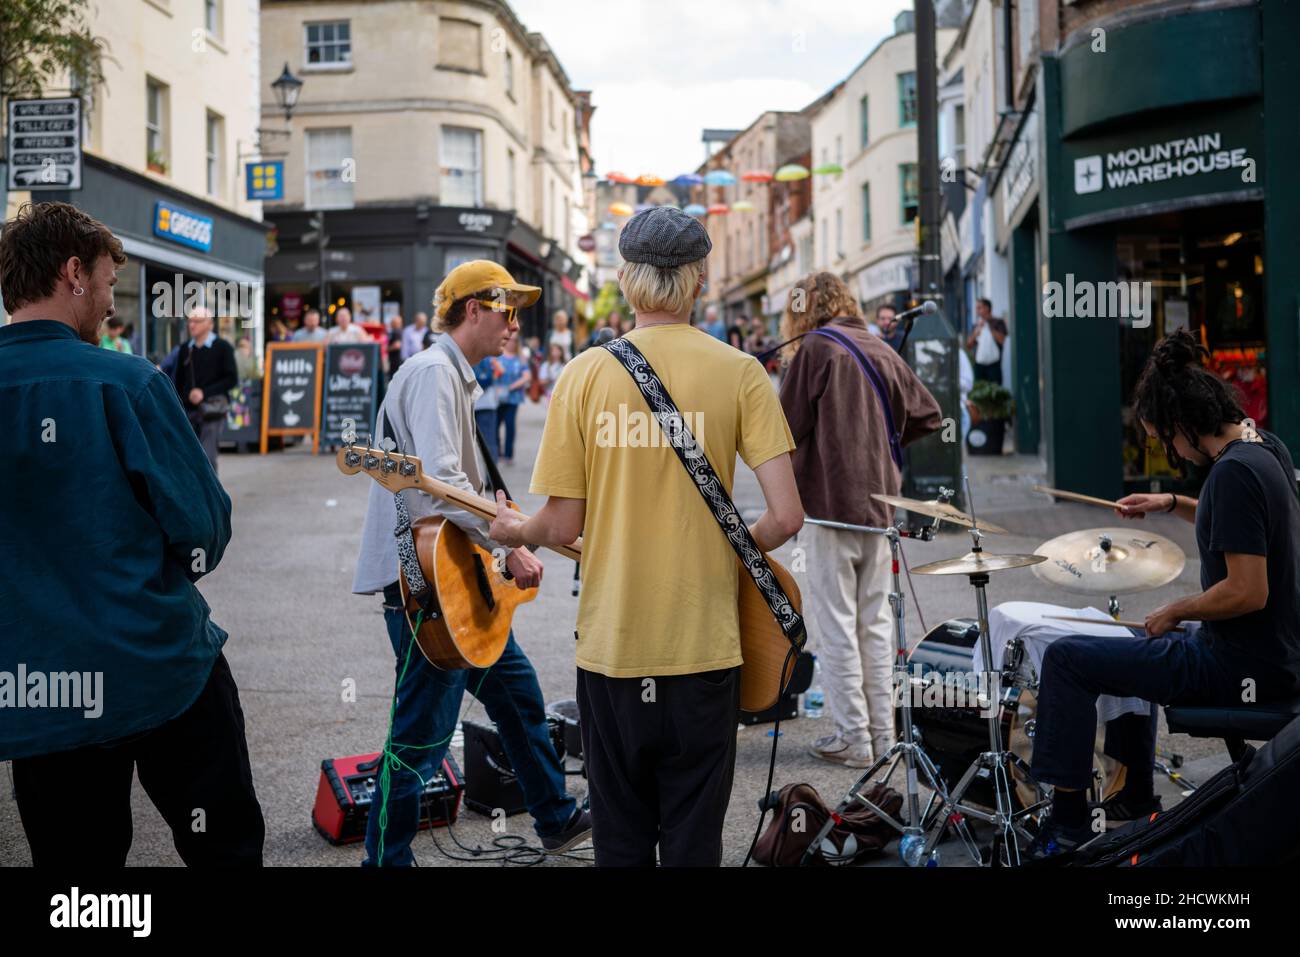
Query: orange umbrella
{"x": 756, "y": 176}
{"x": 719, "y": 209}
{"x": 619, "y": 178}
{"x": 620, "y": 209}
{"x": 649, "y": 179}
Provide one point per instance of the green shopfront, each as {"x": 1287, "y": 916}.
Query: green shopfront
{"x": 1168, "y": 138}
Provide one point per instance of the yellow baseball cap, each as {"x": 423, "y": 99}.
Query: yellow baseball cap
{"x": 480, "y": 275}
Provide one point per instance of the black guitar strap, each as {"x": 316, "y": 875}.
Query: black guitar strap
{"x": 407, "y": 558}
{"x": 703, "y": 477}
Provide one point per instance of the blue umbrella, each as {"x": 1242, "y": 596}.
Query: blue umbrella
{"x": 689, "y": 179}
{"x": 719, "y": 177}
{"x": 695, "y": 209}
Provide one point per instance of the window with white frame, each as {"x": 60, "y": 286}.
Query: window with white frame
{"x": 461, "y": 167}
{"x": 511, "y": 188}
{"x": 214, "y": 127}
{"x": 839, "y": 233}
{"x": 328, "y": 152}
{"x": 155, "y": 125}
{"x": 510, "y": 74}
{"x": 328, "y": 44}
{"x": 212, "y": 17}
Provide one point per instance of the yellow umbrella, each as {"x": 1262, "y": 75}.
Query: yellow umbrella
{"x": 791, "y": 172}
{"x": 742, "y": 206}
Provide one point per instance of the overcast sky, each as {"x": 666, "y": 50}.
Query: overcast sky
{"x": 660, "y": 71}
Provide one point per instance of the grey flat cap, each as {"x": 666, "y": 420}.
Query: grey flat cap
{"x": 665, "y": 237}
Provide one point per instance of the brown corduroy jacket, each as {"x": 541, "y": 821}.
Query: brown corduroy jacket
{"x": 842, "y": 453}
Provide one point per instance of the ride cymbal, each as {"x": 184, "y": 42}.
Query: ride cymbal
{"x": 975, "y": 563}
{"x": 939, "y": 510}
{"x": 1110, "y": 560}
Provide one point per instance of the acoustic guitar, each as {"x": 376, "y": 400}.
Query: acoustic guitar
{"x": 478, "y": 601}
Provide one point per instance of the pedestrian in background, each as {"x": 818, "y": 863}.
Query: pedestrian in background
{"x": 413, "y": 336}
{"x": 394, "y": 345}
{"x": 279, "y": 331}
{"x": 713, "y": 324}
{"x": 736, "y": 337}
{"x": 561, "y": 335}
{"x": 113, "y": 337}
{"x": 758, "y": 340}
{"x": 345, "y": 331}
{"x": 205, "y": 372}
{"x": 246, "y": 364}
{"x": 987, "y": 340}
{"x": 489, "y": 373}
{"x": 310, "y": 330}
{"x": 514, "y": 382}
{"x": 551, "y": 369}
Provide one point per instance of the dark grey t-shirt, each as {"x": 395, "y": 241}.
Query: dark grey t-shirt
{"x": 1249, "y": 506}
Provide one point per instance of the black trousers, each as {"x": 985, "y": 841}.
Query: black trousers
{"x": 76, "y": 805}
{"x": 660, "y": 754}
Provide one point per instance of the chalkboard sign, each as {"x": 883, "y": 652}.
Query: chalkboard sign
{"x": 244, "y": 420}
{"x": 291, "y": 390}
{"x": 351, "y": 389}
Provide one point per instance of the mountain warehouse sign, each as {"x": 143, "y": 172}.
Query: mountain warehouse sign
{"x": 1155, "y": 162}
{"x": 1112, "y": 173}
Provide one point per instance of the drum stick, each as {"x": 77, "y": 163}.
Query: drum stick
{"x": 1077, "y": 497}
{"x": 1108, "y": 621}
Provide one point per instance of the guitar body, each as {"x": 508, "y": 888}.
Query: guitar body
{"x": 763, "y": 644}
{"x": 471, "y": 632}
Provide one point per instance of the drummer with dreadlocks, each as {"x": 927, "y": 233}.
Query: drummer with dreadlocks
{"x": 1240, "y": 641}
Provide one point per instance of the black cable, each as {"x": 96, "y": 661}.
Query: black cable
{"x": 771, "y": 766}
{"x": 506, "y": 849}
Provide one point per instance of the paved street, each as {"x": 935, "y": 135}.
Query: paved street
{"x": 297, "y": 635}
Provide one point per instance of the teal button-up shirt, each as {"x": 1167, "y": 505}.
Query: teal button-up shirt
{"x": 109, "y": 512}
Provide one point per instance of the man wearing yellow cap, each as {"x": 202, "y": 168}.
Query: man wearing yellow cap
{"x": 429, "y": 412}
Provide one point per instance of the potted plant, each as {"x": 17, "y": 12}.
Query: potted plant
{"x": 156, "y": 163}
{"x": 991, "y": 405}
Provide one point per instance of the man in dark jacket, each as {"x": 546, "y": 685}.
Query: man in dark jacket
{"x": 205, "y": 372}
{"x": 110, "y": 662}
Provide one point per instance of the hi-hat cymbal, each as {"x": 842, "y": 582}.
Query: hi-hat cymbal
{"x": 975, "y": 563}
{"x": 1110, "y": 560}
{"x": 940, "y": 510}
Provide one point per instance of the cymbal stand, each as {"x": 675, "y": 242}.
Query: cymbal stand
{"x": 907, "y": 751}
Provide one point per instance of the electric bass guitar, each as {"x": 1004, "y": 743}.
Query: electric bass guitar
{"x": 477, "y": 601}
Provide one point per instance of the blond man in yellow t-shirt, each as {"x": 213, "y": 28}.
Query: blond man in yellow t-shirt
{"x": 658, "y": 637}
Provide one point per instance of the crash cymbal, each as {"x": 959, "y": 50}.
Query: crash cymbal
{"x": 940, "y": 510}
{"x": 974, "y": 563}
{"x": 1133, "y": 561}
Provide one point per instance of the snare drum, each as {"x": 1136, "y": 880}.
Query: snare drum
{"x": 955, "y": 736}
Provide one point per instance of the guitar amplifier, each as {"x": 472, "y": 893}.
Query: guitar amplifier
{"x": 787, "y": 706}
{"x": 490, "y": 780}
{"x": 347, "y": 790}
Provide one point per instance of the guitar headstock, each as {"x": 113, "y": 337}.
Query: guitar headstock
{"x": 393, "y": 470}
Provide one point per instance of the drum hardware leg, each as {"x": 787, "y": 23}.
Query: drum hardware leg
{"x": 1113, "y": 608}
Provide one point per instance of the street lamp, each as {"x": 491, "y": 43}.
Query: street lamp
{"x": 287, "y": 87}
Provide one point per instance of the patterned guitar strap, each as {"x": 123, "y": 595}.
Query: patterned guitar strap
{"x": 693, "y": 459}
{"x": 416, "y": 584}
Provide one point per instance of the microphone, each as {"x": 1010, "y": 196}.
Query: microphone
{"x": 927, "y": 308}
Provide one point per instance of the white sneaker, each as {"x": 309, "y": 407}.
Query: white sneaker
{"x": 838, "y": 750}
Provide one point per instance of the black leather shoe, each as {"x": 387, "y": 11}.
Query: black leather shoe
{"x": 568, "y": 839}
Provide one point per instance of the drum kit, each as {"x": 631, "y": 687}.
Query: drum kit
{"x": 989, "y": 731}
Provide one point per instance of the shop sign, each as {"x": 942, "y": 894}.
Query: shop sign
{"x": 182, "y": 226}
{"x": 891, "y": 275}
{"x": 1018, "y": 176}
{"x": 45, "y": 144}
{"x": 1163, "y": 164}
{"x": 264, "y": 180}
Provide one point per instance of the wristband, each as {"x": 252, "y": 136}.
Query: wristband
{"x": 1173, "y": 502}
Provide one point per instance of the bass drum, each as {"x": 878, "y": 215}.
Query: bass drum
{"x": 954, "y": 737}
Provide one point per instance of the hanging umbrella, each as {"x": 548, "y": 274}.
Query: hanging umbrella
{"x": 718, "y": 209}
{"x": 619, "y": 178}
{"x": 688, "y": 179}
{"x": 719, "y": 177}
{"x": 829, "y": 169}
{"x": 695, "y": 209}
{"x": 620, "y": 209}
{"x": 742, "y": 206}
{"x": 642, "y": 207}
{"x": 756, "y": 176}
{"x": 649, "y": 179}
{"x": 791, "y": 172}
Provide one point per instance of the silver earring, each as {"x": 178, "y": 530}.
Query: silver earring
{"x": 78, "y": 291}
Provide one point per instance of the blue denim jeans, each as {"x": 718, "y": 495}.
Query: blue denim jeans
{"x": 486, "y": 420}
{"x": 1181, "y": 669}
{"x": 427, "y": 712}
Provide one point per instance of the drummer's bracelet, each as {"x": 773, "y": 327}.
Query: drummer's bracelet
{"x": 1173, "y": 502}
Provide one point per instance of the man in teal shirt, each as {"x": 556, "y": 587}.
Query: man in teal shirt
{"x": 109, "y": 660}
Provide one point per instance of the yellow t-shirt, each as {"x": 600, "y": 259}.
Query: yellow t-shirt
{"x": 659, "y": 578}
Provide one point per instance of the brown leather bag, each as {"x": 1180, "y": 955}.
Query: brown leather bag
{"x": 799, "y": 816}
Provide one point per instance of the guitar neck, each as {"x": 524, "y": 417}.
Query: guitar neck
{"x": 484, "y": 508}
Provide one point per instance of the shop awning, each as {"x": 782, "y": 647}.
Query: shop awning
{"x": 571, "y": 287}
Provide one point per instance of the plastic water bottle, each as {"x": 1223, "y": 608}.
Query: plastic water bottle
{"x": 814, "y": 700}
{"x": 911, "y": 848}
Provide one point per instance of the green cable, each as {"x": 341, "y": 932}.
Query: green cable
{"x": 390, "y": 758}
